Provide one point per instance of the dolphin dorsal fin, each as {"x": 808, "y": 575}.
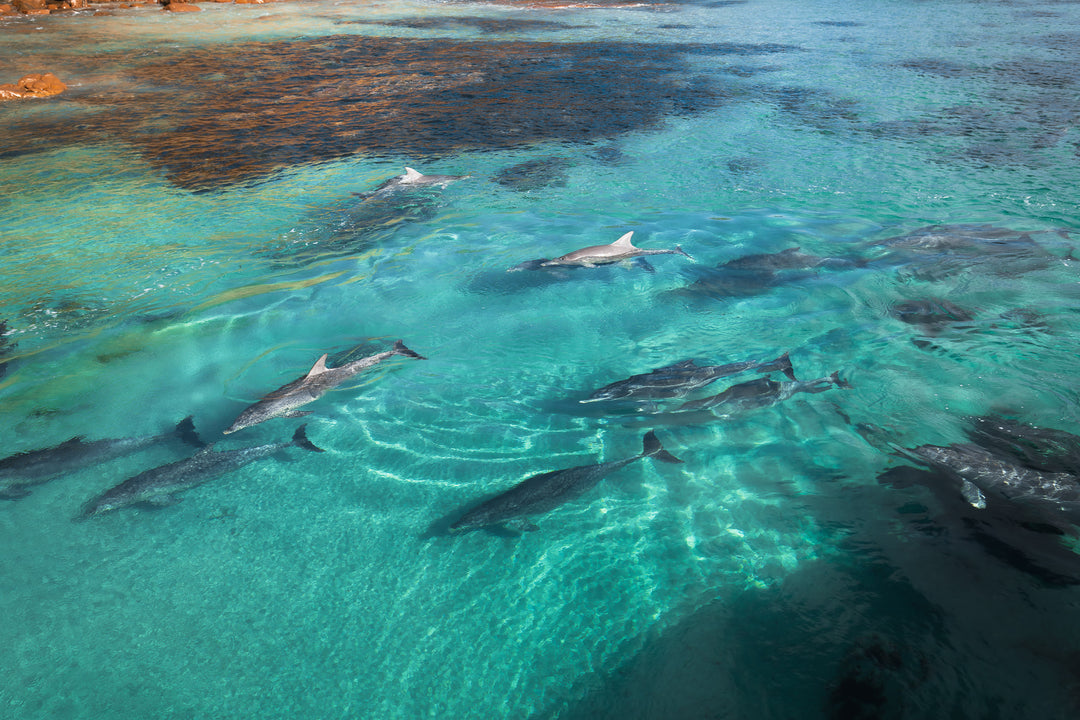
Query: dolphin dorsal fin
{"x": 319, "y": 367}
{"x": 412, "y": 175}
{"x": 624, "y": 241}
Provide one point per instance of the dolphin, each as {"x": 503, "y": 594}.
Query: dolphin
{"x": 547, "y": 491}
{"x": 36, "y": 467}
{"x": 982, "y": 472}
{"x": 412, "y": 180}
{"x": 790, "y": 259}
{"x": 682, "y": 378}
{"x": 757, "y": 393}
{"x": 621, "y": 249}
{"x": 761, "y": 392}
{"x": 159, "y": 486}
{"x": 1038, "y": 448}
{"x": 284, "y": 401}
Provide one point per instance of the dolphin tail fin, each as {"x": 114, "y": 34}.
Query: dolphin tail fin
{"x": 652, "y": 448}
{"x": 300, "y": 439}
{"x": 400, "y": 349}
{"x": 185, "y": 430}
{"x": 836, "y": 380}
{"x": 783, "y": 364}
{"x": 679, "y": 251}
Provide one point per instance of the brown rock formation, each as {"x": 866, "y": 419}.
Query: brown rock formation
{"x": 31, "y": 7}
{"x": 33, "y": 86}
{"x": 182, "y": 7}
{"x": 240, "y": 111}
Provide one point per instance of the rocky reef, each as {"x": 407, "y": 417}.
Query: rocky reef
{"x": 32, "y": 86}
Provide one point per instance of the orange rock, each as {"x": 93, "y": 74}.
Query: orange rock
{"x": 41, "y": 85}
{"x": 29, "y": 6}
{"x": 7, "y": 10}
{"x": 182, "y": 7}
{"x": 33, "y": 86}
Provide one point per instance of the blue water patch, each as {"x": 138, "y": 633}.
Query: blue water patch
{"x": 847, "y": 303}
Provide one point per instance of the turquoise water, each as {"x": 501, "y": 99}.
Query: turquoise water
{"x": 180, "y": 236}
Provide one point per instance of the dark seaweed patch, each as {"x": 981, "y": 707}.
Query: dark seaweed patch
{"x": 1040, "y": 73}
{"x": 275, "y": 104}
{"x": 934, "y": 66}
{"x": 838, "y": 23}
{"x": 479, "y": 24}
{"x": 535, "y": 174}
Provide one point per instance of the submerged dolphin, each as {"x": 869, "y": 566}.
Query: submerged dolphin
{"x": 621, "y": 249}
{"x": 790, "y": 259}
{"x": 682, "y": 378}
{"x": 159, "y": 486}
{"x": 36, "y": 467}
{"x": 760, "y": 393}
{"x": 982, "y": 472}
{"x": 412, "y": 180}
{"x": 547, "y": 491}
{"x": 284, "y": 401}
{"x": 757, "y": 393}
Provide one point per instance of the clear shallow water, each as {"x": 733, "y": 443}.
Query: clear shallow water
{"x": 179, "y": 242}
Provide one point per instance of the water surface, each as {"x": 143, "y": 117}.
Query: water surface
{"x": 181, "y": 233}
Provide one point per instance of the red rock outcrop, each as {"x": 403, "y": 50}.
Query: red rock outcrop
{"x": 33, "y": 86}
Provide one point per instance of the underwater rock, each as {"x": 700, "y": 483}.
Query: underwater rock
{"x": 303, "y": 96}
{"x": 33, "y": 86}
{"x": 930, "y": 314}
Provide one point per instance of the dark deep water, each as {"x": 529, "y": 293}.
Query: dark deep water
{"x": 876, "y": 512}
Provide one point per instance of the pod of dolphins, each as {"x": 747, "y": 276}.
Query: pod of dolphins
{"x": 1006, "y": 462}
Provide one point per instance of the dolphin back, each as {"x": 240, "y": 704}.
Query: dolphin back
{"x": 651, "y": 447}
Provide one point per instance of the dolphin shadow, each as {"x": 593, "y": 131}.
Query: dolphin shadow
{"x": 530, "y": 275}
{"x": 441, "y": 526}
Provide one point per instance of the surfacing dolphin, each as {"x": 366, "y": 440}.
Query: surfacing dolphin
{"x": 682, "y": 378}
{"x": 621, "y": 249}
{"x": 37, "y": 467}
{"x": 284, "y": 401}
{"x": 159, "y": 486}
{"x": 412, "y": 180}
{"x": 545, "y": 492}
